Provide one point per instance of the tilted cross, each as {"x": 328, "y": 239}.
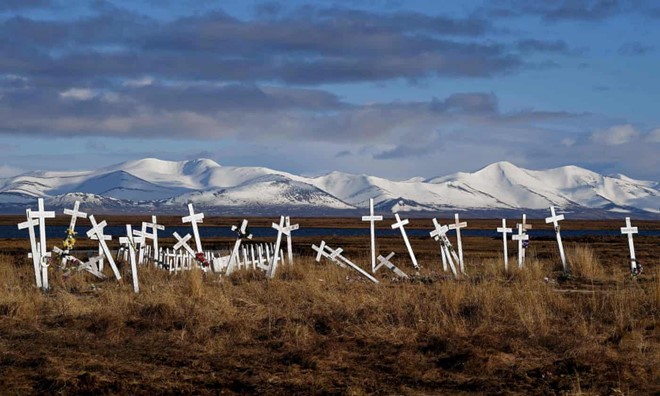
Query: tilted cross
{"x": 400, "y": 224}
{"x": 630, "y": 230}
{"x": 75, "y": 214}
{"x": 154, "y": 233}
{"x": 242, "y": 232}
{"x": 457, "y": 226}
{"x": 281, "y": 229}
{"x": 183, "y": 243}
{"x": 97, "y": 229}
{"x": 446, "y": 249}
{"x": 194, "y": 218}
{"x": 336, "y": 254}
{"x": 555, "y": 219}
{"x": 289, "y": 241}
{"x": 30, "y": 223}
{"x": 385, "y": 261}
{"x": 520, "y": 237}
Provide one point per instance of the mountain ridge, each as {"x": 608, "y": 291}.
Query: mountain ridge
{"x": 165, "y": 186}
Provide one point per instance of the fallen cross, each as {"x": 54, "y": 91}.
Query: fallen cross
{"x": 335, "y": 255}
{"x": 385, "y": 262}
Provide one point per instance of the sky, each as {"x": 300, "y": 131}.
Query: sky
{"x": 397, "y": 89}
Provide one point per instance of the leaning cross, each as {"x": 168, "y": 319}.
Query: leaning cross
{"x": 336, "y": 254}
{"x": 289, "y": 241}
{"x": 457, "y": 226}
{"x": 74, "y": 213}
{"x": 372, "y": 219}
{"x": 30, "y": 223}
{"x": 630, "y": 230}
{"x": 503, "y": 230}
{"x": 130, "y": 241}
{"x": 440, "y": 234}
{"x": 42, "y": 215}
{"x": 555, "y": 219}
{"x": 97, "y": 229}
{"x": 183, "y": 243}
{"x": 281, "y": 229}
{"x": 154, "y": 234}
{"x": 400, "y": 224}
{"x": 242, "y": 232}
{"x": 385, "y": 261}
{"x": 194, "y": 218}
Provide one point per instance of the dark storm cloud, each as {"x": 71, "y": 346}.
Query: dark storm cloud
{"x": 305, "y": 46}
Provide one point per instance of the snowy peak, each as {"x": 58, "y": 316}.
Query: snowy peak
{"x": 165, "y": 185}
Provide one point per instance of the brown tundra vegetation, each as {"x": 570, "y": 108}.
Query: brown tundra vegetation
{"x": 320, "y": 329}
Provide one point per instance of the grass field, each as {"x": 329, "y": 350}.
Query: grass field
{"x": 318, "y": 329}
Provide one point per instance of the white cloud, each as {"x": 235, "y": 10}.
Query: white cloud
{"x": 616, "y": 135}
{"x": 654, "y": 136}
{"x": 139, "y": 82}
{"x": 568, "y": 142}
{"x": 78, "y": 94}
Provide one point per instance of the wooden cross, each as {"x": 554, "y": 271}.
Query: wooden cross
{"x": 42, "y": 215}
{"x": 521, "y": 245}
{"x": 440, "y": 234}
{"x": 630, "y": 230}
{"x": 555, "y": 219}
{"x": 289, "y": 241}
{"x": 154, "y": 234}
{"x": 75, "y": 213}
{"x": 194, "y": 218}
{"x": 457, "y": 226}
{"x": 385, "y": 262}
{"x": 100, "y": 249}
{"x": 504, "y": 231}
{"x": 337, "y": 254}
{"x": 320, "y": 251}
{"x": 520, "y": 237}
{"x": 400, "y": 224}
{"x": 372, "y": 227}
{"x": 281, "y": 229}
{"x": 183, "y": 243}
{"x": 97, "y": 229}
{"x": 30, "y": 223}
{"x": 242, "y": 232}
{"x": 142, "y": 236}
{"x": 130, "y": 241}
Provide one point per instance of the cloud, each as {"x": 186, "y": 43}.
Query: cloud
{"x": 654, "y": 136}
{"x": 581, "y": 10}
{"x": 634, "y": 48}
{"x": 550, "y": 46}
{"x": 343, "y": 153}
{"x": 78, "y": 94}
{"x": 616, "y": 135}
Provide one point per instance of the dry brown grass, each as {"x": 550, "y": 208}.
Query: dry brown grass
{"x": 321, "y": 329}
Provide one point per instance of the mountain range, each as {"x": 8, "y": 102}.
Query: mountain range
{"x": 167, "y": 186}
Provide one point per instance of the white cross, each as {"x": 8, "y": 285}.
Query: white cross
{"x": 289, "y": 241}
{"x": 554, "y": 219}
{"x": 142, "y": 236}
{"x": 194, "y": 218}
{"x": 457, "y": 226}
{"x": 281, "y": 229}
{"x": 400, "y": 224}
{"x": 337, "y": 254}
{"x": 42, "y": 215}
{"x": 154, "y": 234}
{"x": 97, "y": 229}
{"x": 100, "y": 248}
{"x": 372, "y": 227}
{"x": 75, "y": 213}
{"x": 385, "y": 261}
{"x": 242, "y": 233}
{"x": 504, "y": 231}
{"x": 630, "y": 230}
{"x": 520, "y": 237}
{"x": 30, "y": 223}
{"x": 320, "y": 251}
{"x": 183, "y": 243}
{"x": 447, "y": 250}
{"x": 130, "y": 241}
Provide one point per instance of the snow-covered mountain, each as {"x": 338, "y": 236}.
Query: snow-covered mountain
{"x": 167, "y": 186}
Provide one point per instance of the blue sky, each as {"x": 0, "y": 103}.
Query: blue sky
{"x": 391, "y": 88}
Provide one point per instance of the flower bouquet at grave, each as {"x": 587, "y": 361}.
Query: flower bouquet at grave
{"x": 202, "y": 259}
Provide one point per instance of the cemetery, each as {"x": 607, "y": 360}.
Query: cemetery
{"x": 380, "y": 313}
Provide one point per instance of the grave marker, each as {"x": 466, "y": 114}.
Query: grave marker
{"x": 44, "y": 255}
{"x": 372, "y": 228}
{"x": 154, "y": 234}
{"x": 289, "y": 241}
{"x": 521, "y": 237}
{"x": 130, "y": 241}
{"x": 385, "y": 261}
{"x": 242, "y": 232}
{"x": 97, "y": 229}
{"x": 281, "y": 229}
{"x": 555, "y": 219}
{"x": 503, "y": 230}
{"x": 440, "y": 234}
{"x": 457, "y": 226}
{"x": 400, "y": 224}
{"x": 30, "y": 223}
{"x": 194, "y": 218}
{"x": 635, "y": 269}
